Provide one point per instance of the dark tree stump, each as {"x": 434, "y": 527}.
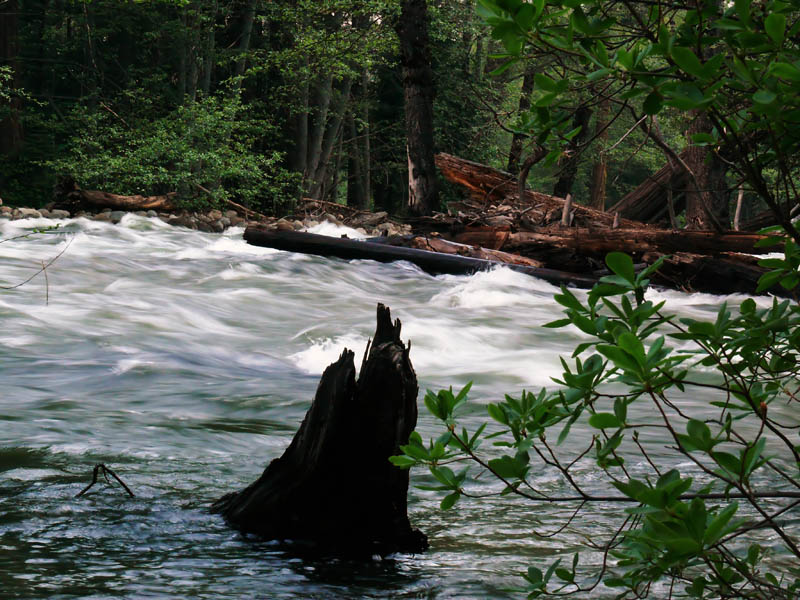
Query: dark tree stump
{"x": 334, "y": 485}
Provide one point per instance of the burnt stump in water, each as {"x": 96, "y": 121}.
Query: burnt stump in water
{"x": 334, "y": 485}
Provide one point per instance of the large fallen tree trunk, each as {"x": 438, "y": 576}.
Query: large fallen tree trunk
{"x": 437, "y": 244}
{"x": 68, "y": 195}
{"x": 593, "y": 241}
{"x": 430, "y": 262}
{"x": 766, "y": 218}
{"x": 648, "y": 202}
{"x": 334, "y": 485}
{"x": 723, "y": 274}
{"x": 492, "y": 185}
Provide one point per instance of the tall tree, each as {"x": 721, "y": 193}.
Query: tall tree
{"x": 11, "y": 132}
{"x": 412, "y": 32}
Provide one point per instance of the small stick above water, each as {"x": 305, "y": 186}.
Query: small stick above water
{"x": 101, "y": 468}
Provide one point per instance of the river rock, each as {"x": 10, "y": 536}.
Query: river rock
{"x": 231, "y": 214}
{"x": 6, "y": 210}
{"x": 59, "y": 214}
{"x": 152, "y": 214}
{"x": 30, "y": 213}
{"x": 183, "y": 221}
{"x": 369, "y": 219}
{"x": 116, "y": 216}
{"x": 45, "y": 213}
{"x": 283, "y": 226}
{"x": 103, "y": 216}
{"x": 234, "y": 221}
{"x": 331, "y": 219}
{"x": 214, "y": 215}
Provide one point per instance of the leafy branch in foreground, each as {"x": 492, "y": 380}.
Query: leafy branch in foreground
{"x": 686, "y": 529}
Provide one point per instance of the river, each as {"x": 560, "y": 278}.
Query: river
{"x": 185, "y": 362}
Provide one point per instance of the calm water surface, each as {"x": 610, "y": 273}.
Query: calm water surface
{"x": 185, "y": 361}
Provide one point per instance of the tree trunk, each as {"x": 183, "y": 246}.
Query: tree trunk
{"x": 433, "y": 262}
{"x": 333, "y": 131}
{"x": 355, "y": 176}
{"x": 486, "y": 184}
{"x": 600, "y": 242}
{"x": 412, "y": 31}
{"x": 648, "y": 202}
{"x": 68, "y": 195}
{"x": 322, "y": 101}
{"x": 597, "y": 186}
{"x": 707, "y": 193}
{"x": 209, "y": 51}
{"x": 569, "y": 167}
{"x": 515, "y": 152}
{"x": 11, "y": 132}
{"x": 244, "y": 40}
{"x": 334, "y": 485}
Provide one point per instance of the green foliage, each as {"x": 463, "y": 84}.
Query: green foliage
{"x": 683, "y": 528}
{"x": 205, "y": 145}
{"x": 737, "y": 62}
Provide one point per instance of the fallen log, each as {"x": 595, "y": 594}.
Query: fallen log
{"x": 334, "y": 485}
{"x": 632, "y": 241}
{"x": 437, "y": 244}
{"x": 435, "y": 263}
{"x": 68, "y": 195}
{"x": 722, "y": 274}
{"x": 648, "y": 202}
{"x": 766, "y": 218}
{"x": 487, "y": 184}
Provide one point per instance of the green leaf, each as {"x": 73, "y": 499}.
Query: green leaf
{"x": 764, "y": 97}
{"x": 728, "y": 462}
{"x": 619, "y": 357}
{"x": 621, "y": 264}
{"x": 449, "y": 500}
{"x": 653, "y": 103}
{"x": 775, "y": 26}
{"x": 688, "y": 61}
{"x": 604, "y": 421}
{"x": 715, "y": 528}
{"x": 544, "y": 82}
{"x": 404, "y": 462}
{"x": 633, "y": 346}
{"x": 785, "y": 70}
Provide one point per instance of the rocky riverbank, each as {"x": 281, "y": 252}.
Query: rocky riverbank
{"x": 217, "y": 221}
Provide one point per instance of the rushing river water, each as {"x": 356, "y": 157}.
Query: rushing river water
{"x": 185, "y": 361}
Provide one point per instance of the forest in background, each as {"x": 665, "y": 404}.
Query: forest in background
{"x": 266, "y": 102}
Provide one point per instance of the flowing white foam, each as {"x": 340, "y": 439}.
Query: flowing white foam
{"x": 332, "y": 230}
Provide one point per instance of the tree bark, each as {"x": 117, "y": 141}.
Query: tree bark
{"x": 517, "y": 140}
{"x": 412, "y": 31}
{"x": 648, "y": 202}
{"x": 486, "y": 184}
{"x": 68, "y": 195}
{"x": 432, "y": 262}
{"x": 597, "y": 187}
{"x": 334, "y": 485}
{"x": 569, "y": 167}
{"x": 707, "y": 193}
{"x": 600, "y": 242}
{"x": 11, "y": 131}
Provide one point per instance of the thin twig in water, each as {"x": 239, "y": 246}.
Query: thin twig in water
{"x": 101, "y": 468}
{"x": 44, "y": 268}
{"x": 46, "y": 285}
